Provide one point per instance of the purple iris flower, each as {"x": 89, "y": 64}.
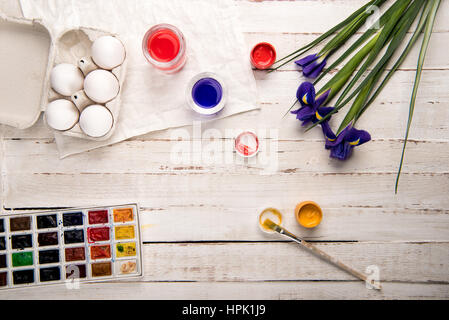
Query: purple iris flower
{"x": 341, "y": 146}
{"x": 310, "y": 110}
{"x": 312, "y": 65}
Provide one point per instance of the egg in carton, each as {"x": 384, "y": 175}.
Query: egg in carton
{"x": 98, "y": 97}
{"x": 32, "y": 52}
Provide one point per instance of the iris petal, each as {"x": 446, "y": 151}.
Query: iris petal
{"x": 342, "y": 151}
{"x": 313, "y": 69}
{"x": 306, "y": 60}
{"x": 306, "y": 89}
{"x": 327, "y": 131}
{"x": 310, "y": 108}
{"x": 358, "y": 137}
{"x": 305, "y": 114}
{"x": 322, "y": 98}
{"x": 312, "y": 65}
{"x": 304, "y": 99}
{"x": 339, "y": 139}
{"x": 324, "y": 111}
{"x": 347, "y": 139}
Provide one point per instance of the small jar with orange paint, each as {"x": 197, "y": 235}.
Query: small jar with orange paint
{"x": 308, "y": 214}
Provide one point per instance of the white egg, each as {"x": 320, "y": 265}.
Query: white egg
{"x": 61, "y": 114}
{"x": 66, "y": 79}
{"x": 108, "y": 52}
{"x": 101, "y": 86}
{"x": 96, "y": 120}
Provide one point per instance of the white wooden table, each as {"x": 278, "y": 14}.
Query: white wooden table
{"x": 201, "y": 239}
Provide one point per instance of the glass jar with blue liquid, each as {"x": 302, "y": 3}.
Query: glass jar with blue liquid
{"x": 206, "y": 93}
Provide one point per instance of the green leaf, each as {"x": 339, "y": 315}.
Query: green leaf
{"x": 356, "y": 106}
{"x": 368, "y": 85}
{"x": 296, "y": 101}
{"x": 397, "y": 33}
{"x": 412, "y": 41}
{"x": 422, "y": 54}
{"x": 362, "y": 39}
{"x": 337, "y": 81}
{"x": 399, "y": 8}
{"x": 354, "y": 16}
{"x": 344, "y": 34}
{"x": 379, "y": 22}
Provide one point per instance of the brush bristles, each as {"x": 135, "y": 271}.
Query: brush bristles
{"x": 268, "y": 224}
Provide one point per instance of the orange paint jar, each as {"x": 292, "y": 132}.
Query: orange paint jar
{"x": 308, "y": 214}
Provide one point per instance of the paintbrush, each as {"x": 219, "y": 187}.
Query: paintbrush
{"x": 268, "y": 224}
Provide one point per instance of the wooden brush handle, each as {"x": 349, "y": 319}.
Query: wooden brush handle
{"x": 331, "y": 259}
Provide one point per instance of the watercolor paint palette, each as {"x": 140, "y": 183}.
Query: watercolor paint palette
{"x": 88, "y": 244}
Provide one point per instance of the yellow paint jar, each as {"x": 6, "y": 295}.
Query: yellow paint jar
{"x": 272, "y": 214}
{"x": 308, "y": 214}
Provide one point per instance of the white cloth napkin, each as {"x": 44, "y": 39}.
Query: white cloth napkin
{"x": 152, "y": 101}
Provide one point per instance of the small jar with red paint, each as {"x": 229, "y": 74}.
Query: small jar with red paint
{"x": 246, "y": 144}
{"x": 263, "y": 55}
{"x": 164, "y": 47}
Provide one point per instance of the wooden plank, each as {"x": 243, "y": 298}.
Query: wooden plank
{"x": 384, "y": 119}
{"x": 281, "y": 87}
{"x": 183, "y": 223}
{"x": 157, "y": 156}
{"x": 291, "y": 290}
{"x": 308, "y": 16}
{"x": 417, "y": 191}
{"x": 288, "y": 42}
{"x": 289, "y": 262}
{"x": 277, "y": 91}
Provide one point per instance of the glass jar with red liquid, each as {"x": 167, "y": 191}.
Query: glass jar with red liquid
{"x": 164, "y": 47}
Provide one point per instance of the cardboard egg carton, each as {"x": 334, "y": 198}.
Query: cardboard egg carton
{"x": 29, "y": 53}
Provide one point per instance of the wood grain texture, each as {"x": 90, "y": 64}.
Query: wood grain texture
{"x": 288, "y": 261}
{"x": 309, "y": 16}
{"x": 199, "y": 218}
{"x": 236, "y": 190}
{"x": 155, "y": 157}
{"x": 282, "y": 290}
{"x": 276, "y": 92}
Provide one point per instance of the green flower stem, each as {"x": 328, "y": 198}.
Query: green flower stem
{"x": 422, "y": 54}
{"x": 397, "y": 33}
{"x": 399, "y": 8}
{"x": 344, "y": 34}
{"x": 370, "y": 81}
{"x": 378, "y": 24}
{"x": 338, "y": 81}
{"x": 359, "y": 15}
{"x": 412, "y": 41}
{"x": 359, "y": 102}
